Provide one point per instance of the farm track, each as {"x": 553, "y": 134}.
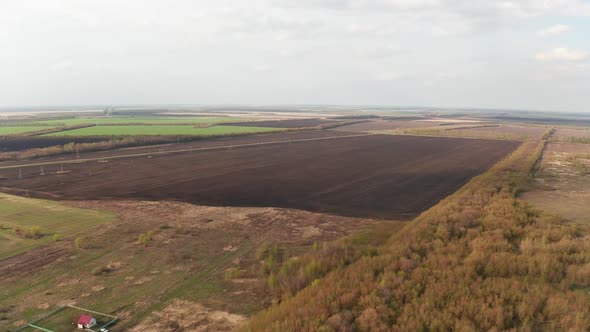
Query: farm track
{"x": 30, "y": 261}
{"x": 376, "y": 176}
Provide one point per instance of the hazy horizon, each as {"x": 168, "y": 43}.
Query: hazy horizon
{"x": 513, "y": 55}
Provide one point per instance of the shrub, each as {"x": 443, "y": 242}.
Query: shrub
{"x": 262, "y": 251}
{"x": 272, "y": 281}
{"x": 33, "y": 232}
{"x": 80, "y": 242}
{"x": 101, "y": 270}
{"x": 56, "y": 237}
{"x": 145, "y": 238}
{"x": 232, "y": 273}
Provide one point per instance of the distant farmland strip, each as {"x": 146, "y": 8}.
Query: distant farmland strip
{"x": 11, "y": 130}
{"x": 296, "y": 123}
{"x": 159, "y": 130}
{"x": 136, "y": 121}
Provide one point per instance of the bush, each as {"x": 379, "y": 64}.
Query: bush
{"x": 262, "y": 251}
{"x": 33, "y": 232}
{"x": 145, "y": 238}
{"x": 56, "y": 237}
{"x": 80, "y": 242}
{"x": 232, "y": 273}
{"x": 101, "y": 270}
{"x": 269, "y": 257}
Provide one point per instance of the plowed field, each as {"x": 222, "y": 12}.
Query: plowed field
{"x": 378, "y": 176}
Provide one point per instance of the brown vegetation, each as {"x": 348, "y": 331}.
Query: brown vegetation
{"x": 480, "y": 260}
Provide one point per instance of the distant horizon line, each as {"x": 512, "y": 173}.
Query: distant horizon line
{"x": 375, "y": 107}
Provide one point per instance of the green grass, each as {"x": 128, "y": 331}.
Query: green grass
{"x": 63, "y": 319}
{"x": 51, "y": 217}
{"x": 137, "y": 120}
{"x": 9, "y": 130}
{"x": 159, "y": 130}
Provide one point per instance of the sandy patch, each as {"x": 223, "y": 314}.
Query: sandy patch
{"x": 69, "y": 282}
{"x": 189, "y": 316}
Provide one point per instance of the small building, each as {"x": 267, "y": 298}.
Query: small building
{"x": 86, "y": 322}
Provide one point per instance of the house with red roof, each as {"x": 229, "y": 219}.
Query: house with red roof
{"x": 86, "y": 322}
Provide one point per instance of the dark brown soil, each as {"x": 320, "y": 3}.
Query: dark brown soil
{"x": 380, "y": 176}
{"x": 297, "y": 123}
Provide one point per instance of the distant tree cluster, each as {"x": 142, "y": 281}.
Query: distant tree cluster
{"x": 72, "y": 148}
{"x": 480, "y": 260}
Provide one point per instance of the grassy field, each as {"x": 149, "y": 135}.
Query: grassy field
{"x": 137, "y": 120}
{"x": 64, "y": 318}
{"x": 9, "y": 130}
{"x": 51, "y": 218}
{"x": 562, "y": 184}
{"x": 188, "y": 258}
{"x": 475, "y": 131}
{"x": 159, "y": 130}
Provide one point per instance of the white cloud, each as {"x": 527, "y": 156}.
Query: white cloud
{"x": 262, "y": 68}
{"x": 354, "y": 51}
{"x": 554, "y": 30}
{"x": 388, "y": 76}
{"x": 563, "y": 54}
{"x": 61, "y": 65}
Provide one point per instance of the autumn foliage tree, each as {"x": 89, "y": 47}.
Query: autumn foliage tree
{"x": 482, "y": 259}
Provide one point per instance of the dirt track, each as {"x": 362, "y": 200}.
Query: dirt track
{"x": 390, "y": 177}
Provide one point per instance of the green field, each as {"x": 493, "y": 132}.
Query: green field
{"x": 136, "y": 120}
{"x": 51, "y": 217}
{"x": 9, "y": 130}
{"x": 159, "y": 130}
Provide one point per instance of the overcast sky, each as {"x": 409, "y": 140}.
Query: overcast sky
{"x": 470, "y": 53}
